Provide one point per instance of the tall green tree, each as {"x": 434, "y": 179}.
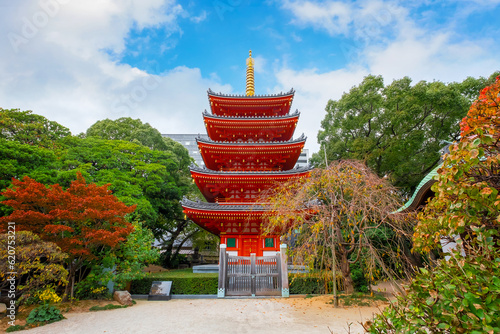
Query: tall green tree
{"x": 167, "y": 182}
{"x": 397, "y": 129}
{"x": 136, "y": 174}
{"x": 18, "y": 160}
{"x": 28, "y": 128}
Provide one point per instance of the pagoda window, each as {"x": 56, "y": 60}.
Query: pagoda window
{"x": 231, "y": 242}
{"x": 269, "y": 243}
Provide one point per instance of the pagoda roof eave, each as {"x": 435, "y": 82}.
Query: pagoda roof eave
{"x": 234, "y": 96}
{"x": 300, "y": 139}
{"x": 295, "y": 114}
{"x": 424, "y": 186}
{"x": 298, "y": 170}
{"x": 254, "y": 208}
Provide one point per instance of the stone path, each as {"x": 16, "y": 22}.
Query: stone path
{"x": 235, "y": 316}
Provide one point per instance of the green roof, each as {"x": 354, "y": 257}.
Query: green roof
{"x": 422, "y": 187}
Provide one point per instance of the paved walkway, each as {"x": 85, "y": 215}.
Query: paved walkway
{"x": 235, "y": 316}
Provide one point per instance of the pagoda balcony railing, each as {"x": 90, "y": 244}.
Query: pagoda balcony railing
{"x": 302, "y": 138}
{"x": 296, "y": 170}
{"x": 281, "y": 94}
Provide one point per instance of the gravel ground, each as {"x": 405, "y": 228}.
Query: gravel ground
{"x": 292, "y": 315}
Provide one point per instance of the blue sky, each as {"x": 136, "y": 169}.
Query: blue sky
{"x": 77, "y": 62}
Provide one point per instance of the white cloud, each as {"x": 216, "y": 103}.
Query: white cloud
{"x": 260, "y": 64}
{"x": 200, "y": 18}
{"x": 58, "y": 60}
{"x": 333, "y": 16}
{"x": 363, "y": 20}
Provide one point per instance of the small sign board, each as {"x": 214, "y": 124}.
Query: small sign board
{"x": 160, "y": 290}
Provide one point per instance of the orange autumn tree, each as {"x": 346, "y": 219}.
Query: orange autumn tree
{"x": 81, "y": 220}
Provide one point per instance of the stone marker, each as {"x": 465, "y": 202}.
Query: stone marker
{"x": 123, "y": 297}
{"x": 160, "y": 290}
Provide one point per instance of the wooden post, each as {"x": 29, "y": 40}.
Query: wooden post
{"x": 221, "y": 292}
{"x": 334, "y": 273}
{"x": 285, "y": 289}
{"x": 253, "y": 287}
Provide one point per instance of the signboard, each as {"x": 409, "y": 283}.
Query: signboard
{"x": 160, "y": 290}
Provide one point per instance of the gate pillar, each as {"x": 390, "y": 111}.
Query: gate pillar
{"x": 285, "y": 290}
{"x": 221, "y": 291}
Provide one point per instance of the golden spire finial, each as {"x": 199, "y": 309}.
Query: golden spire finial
{"x": 250, "y": 78}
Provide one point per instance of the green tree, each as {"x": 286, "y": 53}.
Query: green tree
{"x": 168, "y": 178}
{"x": 19, "y": 160}
{"x": 396, "y": 129}
{"x": 28, "y": 128}
{"x": 136, "y": 174}
{"x": 120, "y": 265}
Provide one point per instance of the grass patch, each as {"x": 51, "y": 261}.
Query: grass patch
{"x": 15, "y": 328}
{"x": 181, "y": 273}
{"x": 359, "y": 299}
{"x": 106, "y": 307}
{"x": 184, "y": 282}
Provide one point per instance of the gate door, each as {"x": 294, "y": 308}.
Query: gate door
{"x": 253, "y": 275}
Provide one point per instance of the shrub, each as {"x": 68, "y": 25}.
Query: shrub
{"x": 91, "y": 288}
{"x": 359, "y": 278}
{"x": 48, "y": 295}
{"x": 314, "y": 283}
{"x": 44, "y": 313}
{"x": 461, "y": 295}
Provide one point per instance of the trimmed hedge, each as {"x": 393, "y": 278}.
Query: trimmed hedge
{"x": 312, "y": 284}
{"x": 180, "y": 285}
{"x": 203, "y": 285}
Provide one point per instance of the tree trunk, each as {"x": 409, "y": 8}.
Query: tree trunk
{"x": 345, "y": 268}
{"x": 68, "y": 291}
{"x": 414, "y": 259}
{"x": 346, "y": 271}
{"x": 69, "y": 287}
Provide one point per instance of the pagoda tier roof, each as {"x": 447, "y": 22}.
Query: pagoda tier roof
{"x": 256, "y": 105}
{"x": 241, "y": 186}
{"x": 221, "y": 219}
{"x": 250, "y": 155}
{"x": 279, "y": 128}
{"x": 270, "y": 173}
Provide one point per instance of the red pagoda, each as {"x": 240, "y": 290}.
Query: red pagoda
{"x": 250, "y": 150}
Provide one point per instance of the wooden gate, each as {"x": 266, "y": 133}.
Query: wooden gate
{"x": 253, "y": 275}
